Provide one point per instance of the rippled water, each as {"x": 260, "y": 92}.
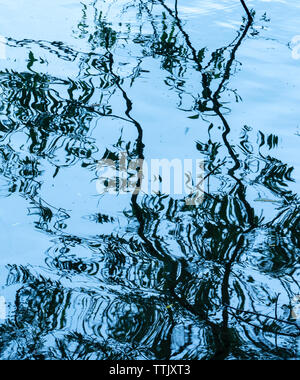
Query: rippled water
{"x": 89, "y": 276}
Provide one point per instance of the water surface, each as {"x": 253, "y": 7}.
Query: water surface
{"x": 90, "y": 276}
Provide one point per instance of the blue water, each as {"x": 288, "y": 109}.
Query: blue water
{"x": 101, "y": 276}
